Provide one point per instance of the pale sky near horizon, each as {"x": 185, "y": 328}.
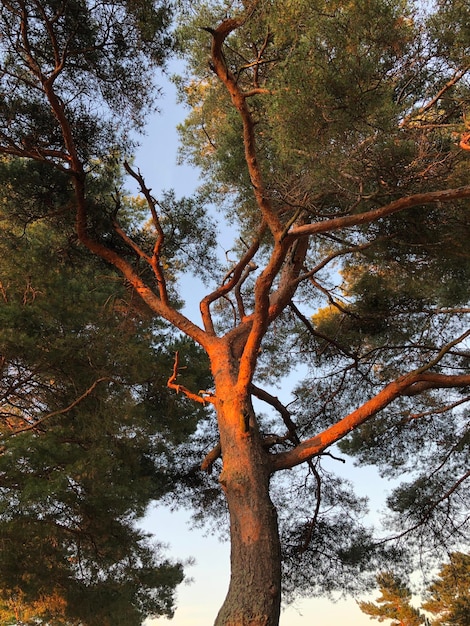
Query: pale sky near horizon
{"x": 199, "y": 602}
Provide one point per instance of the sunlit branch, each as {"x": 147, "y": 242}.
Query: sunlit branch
{"x": 262, "y": 316}
{"x": 287, "y": 286}
{"x": 408, "y": 202}
{"x": 408, "y": 384}
{"x": 458, "y": 75}
{"x": 239, "y": 99}
{"x": 436, "y": 381}
{"x": 172, "y": 384}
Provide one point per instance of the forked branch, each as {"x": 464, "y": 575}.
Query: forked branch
{"x": 155, "y": 259}
{"x": 205, "y": 398}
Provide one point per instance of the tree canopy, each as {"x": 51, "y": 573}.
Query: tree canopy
{"x": 87, "y": 429}
{"x": 394, "y": 603}
{"x": 448, "y": 596}
{"x": 333, "y": 138}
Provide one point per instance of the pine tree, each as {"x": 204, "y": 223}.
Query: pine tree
{"x": 448, "y": 596}
{"x": 87, "y": 429}
{"x": 394, "y": 603}
{"x": 333, "y": 136}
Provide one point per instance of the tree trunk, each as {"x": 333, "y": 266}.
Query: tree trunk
{"x": 254, "y": 594}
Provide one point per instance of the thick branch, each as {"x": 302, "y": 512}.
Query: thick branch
{"x": 239, "y": 100}
{"x": 401, "y": 386}
{"x": 260, "y": 318}
{"x": 436, "y": 381}
{"x": 288, "y": 280}
{"x": 210, "y": 458}
{"x": 419, "y": 199}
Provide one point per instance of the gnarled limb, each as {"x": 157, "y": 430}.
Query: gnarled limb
{"x": 172, "y": 384}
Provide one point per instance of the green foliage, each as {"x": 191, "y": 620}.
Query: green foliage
{"x": 88, "y": 430}
{"x": 348, "y": 107}
{"x": 100, "y": 56}
{"x": 448, "y": 596}
{"x": 394, "y": 603}
{"x": 354, "y": 105}
{"x": 329, "y": 550}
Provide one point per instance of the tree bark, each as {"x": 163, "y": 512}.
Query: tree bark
{"x": 254, "y": 594}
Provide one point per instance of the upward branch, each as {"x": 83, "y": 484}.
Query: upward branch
{"x": 401, "y": 386}
{"x": 239, "y": 100}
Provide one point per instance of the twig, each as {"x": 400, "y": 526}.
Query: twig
{"x": 61, "y": 411}
{"x": 172, "y": 384}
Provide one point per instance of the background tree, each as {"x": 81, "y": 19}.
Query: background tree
{"x": 394, "y": 603}
{"x": 448, "y": 596}
{"x": 333, "y": 137}
{"x": 87, "y": 430}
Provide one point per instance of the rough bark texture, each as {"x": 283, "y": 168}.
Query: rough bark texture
{"x": 254, "y": 594}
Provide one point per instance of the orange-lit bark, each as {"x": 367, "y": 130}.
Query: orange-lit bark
{"x": 412, "y": 383}
{"x": 239, "y": 100}
{"x": 254, "y": 594}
